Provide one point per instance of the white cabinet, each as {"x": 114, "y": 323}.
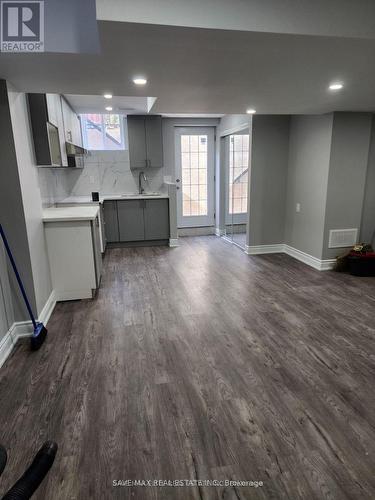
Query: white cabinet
{"x": 75, "y": 257}
{"x": 54, "y": 109}
{"x": 72, "y": 124}
{"x": 103, "y": 241}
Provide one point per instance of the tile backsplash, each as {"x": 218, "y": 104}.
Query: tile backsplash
{"x": 105, "y": 171}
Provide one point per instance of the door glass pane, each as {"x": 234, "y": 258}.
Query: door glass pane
{"x": 238, "y": 173}
{"x": 194, "y": 175}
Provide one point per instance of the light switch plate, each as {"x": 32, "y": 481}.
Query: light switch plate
{"x": 298, "y": 207}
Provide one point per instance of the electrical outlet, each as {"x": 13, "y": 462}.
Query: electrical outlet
{"x": 298, "y": 208}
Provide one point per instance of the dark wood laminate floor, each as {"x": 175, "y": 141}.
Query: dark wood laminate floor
{"x": 201, "y": 362}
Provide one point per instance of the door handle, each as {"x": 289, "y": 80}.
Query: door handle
{"x": 177, "y": 180}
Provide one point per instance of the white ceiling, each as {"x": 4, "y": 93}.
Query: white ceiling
{"x": 208, "y": 71}
{"x": 343, "y": 18}
{"x": 121, "y": 104}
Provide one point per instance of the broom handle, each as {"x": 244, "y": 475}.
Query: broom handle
{"x": 20, "y": 284}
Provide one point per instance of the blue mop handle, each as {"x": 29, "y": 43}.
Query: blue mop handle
{"x": 20, "y": 284}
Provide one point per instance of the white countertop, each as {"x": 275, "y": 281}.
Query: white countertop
{"x": 77, "y": 213}
{"x": 129, "y": 196}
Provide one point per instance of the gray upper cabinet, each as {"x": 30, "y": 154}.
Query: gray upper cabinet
{"x": 145, "y": 141}
{"x": 154, "y": 141}
{"x": 130, "y": 220}
{"x": 137, "y": 142}
{"x": 156, "y": 219}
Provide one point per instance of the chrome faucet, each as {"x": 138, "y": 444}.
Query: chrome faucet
{"x": 141, "y": 175}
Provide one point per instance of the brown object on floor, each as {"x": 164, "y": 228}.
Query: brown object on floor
{"x": 201, "y": 362}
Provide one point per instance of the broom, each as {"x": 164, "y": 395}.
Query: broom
{"x": 40, "y": 331}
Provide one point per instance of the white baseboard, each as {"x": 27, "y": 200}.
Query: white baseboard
{"x": 196, "y": 231}
{"x": 48, "y": 308}
{"x": 6, "y": 345}
{"x": 21, "y": 329}
{"x": 73, "y": 295}
{"x": 262, "y": 249}
{"x": 310, "y": 260}
{"x": 173, "y": 242}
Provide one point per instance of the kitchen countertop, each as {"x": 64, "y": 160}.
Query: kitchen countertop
{"x": 102, "y": 198}
{"x": 78, "y": 213}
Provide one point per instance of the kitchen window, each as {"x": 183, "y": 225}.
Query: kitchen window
{"x": 103, "y": 132}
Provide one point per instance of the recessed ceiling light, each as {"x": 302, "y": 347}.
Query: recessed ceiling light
{"x": 109, "y": 108}
{"x": 251, "y": 111}
{"x": 108, "y": 96}
{"x": 140, "y": 80}
{"x": 336, "y": 86}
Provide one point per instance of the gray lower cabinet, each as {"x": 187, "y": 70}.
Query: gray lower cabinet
{"x": 136, "y": 220}
{"x": 131, "y": 220}
{"x": 156, "y": 216}
{"x": 111, "y": 221}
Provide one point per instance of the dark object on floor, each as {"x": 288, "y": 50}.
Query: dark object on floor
{"x": 359, "y": 250}
{"x": 3, "y": 458}
{"x": 40, "y": 331}
{"x": 342, "y": 264}
{"x": 362, "y": 265}
{"x": 29, "y": 482}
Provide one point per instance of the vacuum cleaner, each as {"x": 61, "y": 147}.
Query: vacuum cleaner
{"x": 40, "y": 331}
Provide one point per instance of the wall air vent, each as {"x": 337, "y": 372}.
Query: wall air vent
{"x": 342, "y": 238}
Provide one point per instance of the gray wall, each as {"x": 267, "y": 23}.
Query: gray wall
{"x": 31, "y": 197}
{"x": 268, "y": 179}
{"x": 368, "y": 212}
{"x": 309, "y": 157}
{"x": 347, "y": 175}
{"x": 12, "y": 214}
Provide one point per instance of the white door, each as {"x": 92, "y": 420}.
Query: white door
{"x": 195, "y": 177}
